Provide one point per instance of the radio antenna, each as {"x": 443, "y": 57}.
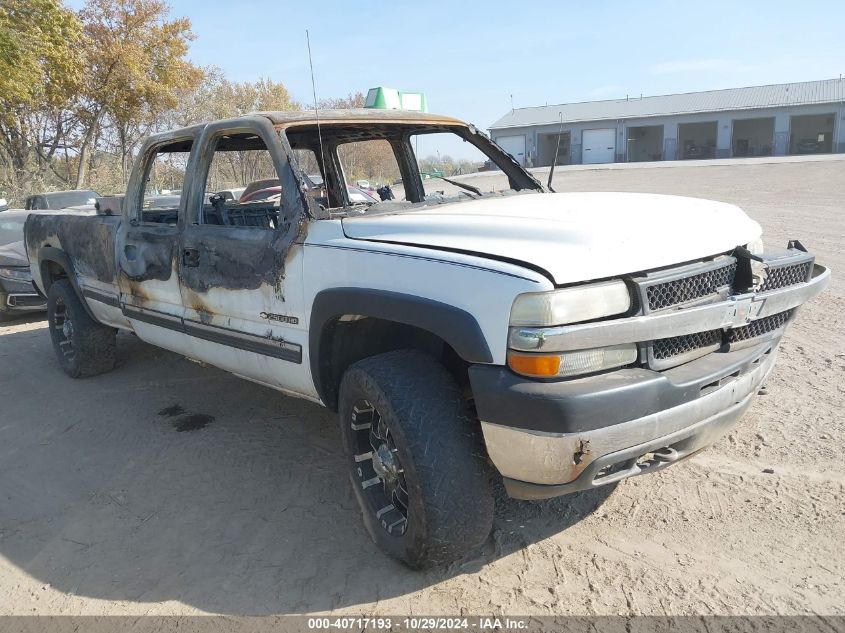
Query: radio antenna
{"x": 557, "y": 149}
{"x": 316, "y": 109}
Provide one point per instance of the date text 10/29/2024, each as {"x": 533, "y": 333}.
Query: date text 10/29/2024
{"x": 419, "y": 623}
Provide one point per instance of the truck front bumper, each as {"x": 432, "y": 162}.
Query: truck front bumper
{"x": 550, "y": 438}
{"x": 19, "y": 296}
{"x": 542, "y": 464}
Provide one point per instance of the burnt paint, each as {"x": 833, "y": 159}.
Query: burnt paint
{"x": 235, "y": 258}
{"x": 136, "y": 289}
{"x": 231, "y": 258}
{"x": 240, "y": 258}
{"x": 147, "y": 252}
{"x": 87, "y": 240}
{"x": 205, "y": 314}
{"x": 192, "y": 422}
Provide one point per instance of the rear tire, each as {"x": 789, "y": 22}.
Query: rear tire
{"x": 424, "y": 489}
{"x": 84, "y": 347}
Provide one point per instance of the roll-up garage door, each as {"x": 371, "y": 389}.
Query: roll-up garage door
{"x": 598, "y": 146}
{"x": 513, "y": 145}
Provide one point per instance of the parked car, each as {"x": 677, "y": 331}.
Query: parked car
{"x": 561, "y": 341}
{"x": 11, "y": 226}
{"x": 695, "y": 151}
{"x": 272, "y": 192}
{"x": 61, "y": 199}
{"x": 4, "y": 204}
{"x": 808, "y": 146}
{"x": 360, "y": 196}
{"x": 161, "y": 201}
{"x": 17, "y": 294}
{"x": 231, "y": 194}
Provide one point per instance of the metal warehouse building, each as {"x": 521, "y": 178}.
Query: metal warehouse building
{"x": 777, "y": 120}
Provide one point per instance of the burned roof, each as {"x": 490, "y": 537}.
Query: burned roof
{"x": 285, "y": 118}
{"x": 346, "y": 124}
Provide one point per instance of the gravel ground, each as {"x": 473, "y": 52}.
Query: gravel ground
{"x": 167, "y": 487}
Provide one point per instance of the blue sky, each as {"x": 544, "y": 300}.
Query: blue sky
{"x": 470, "y": 57}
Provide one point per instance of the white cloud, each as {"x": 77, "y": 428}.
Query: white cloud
{"x": 697, "y": 66}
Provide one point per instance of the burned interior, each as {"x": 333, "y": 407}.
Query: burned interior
{"x": 243, "y": 186}
{"x": 324, "y": 144}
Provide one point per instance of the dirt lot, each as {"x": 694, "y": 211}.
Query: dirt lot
{"x": 117, "y": 495}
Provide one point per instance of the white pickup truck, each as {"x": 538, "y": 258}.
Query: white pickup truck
{"x": 562, "y": 340}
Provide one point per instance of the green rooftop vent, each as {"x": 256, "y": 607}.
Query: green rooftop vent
{"x": 392, "y": 99}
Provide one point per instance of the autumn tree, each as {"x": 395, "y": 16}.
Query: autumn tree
{"x": 215, "y": 97}
{"x": 352, "y": 100}
{"x": 367, "y": 160}
{"x": 79, "y": 91}
{"x": 40, "y": 71}
{"x": 218, "y": 98}
{"x": 135, "y": 61}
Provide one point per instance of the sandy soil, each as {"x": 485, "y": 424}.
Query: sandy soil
{"x": 118, "y": 497}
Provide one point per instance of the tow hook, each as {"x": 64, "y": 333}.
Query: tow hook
{"x": 667, "y": 455}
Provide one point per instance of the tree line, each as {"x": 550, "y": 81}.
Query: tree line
{"x": 81, "y": 90}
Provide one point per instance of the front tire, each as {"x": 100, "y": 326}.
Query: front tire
{"x": 84, "y": 347}
{"x": 418, "y": 466}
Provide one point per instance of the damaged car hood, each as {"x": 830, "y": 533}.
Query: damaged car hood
{"x": 572, "y": 236}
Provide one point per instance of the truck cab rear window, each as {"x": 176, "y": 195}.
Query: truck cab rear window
{"x": 161, "y": 198}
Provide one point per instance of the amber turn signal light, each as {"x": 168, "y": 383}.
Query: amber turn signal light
{"x": 536, "y": 365}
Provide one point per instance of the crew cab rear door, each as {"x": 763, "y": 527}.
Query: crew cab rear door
{"x": 241, "y": 276}
{"x": 147, "y": 242}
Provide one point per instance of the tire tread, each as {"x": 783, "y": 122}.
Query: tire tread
{"x": 448, "y": 453}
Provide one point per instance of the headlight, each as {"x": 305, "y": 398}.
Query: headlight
{"x": 585, "y": 361}
{"x": 755, "y": 247}
{"x": 571, "y": 305}
{"x": 16, "y": 274}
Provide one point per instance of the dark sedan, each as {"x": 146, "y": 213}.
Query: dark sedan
{"x": 17, "y": 293}
{"x": 808, "y": 146}
{"x": 61, "y": 199}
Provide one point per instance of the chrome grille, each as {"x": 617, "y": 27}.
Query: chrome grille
{"x": 759, "y": 327}
{"x": 686, "y": 289}
{"x": 681, "y": 345}
{"x": 783, "y": 276}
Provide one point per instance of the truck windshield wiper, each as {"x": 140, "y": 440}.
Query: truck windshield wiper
{"x": 475, "y": 190}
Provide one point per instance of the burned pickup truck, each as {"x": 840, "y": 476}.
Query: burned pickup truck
{"x": 561, "y": 341}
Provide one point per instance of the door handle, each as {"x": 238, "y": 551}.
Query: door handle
{"x": 191, "y": 257}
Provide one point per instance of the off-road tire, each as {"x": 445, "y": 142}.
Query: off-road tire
{"x": 86, "y": 347}
{"x": 444, "y": 464}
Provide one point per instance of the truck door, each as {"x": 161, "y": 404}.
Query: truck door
{"x": 241, "y": 275}
{"x": 147, "y": 243}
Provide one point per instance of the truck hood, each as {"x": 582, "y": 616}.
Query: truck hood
{"x": 13, "y": 254}
{"x": 572, "y": 236}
